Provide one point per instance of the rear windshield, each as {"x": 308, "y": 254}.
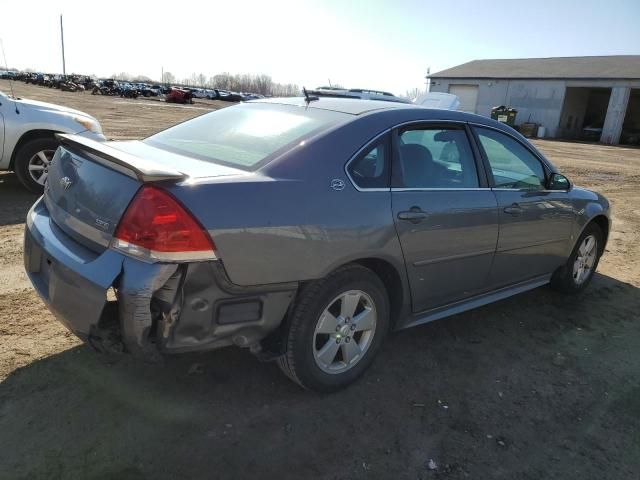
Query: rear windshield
{"x": 245, "y": 136}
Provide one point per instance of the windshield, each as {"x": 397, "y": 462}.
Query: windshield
{"x": 245, "y": 136}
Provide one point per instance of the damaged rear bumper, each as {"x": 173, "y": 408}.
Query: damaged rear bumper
{"x": 157, "y": 308}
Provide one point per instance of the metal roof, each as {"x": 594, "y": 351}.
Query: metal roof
{"x": 604, "y": 67}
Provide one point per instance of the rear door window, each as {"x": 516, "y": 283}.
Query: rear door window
{"x": 436, "y": 158}
{"x": 371, "y": 169}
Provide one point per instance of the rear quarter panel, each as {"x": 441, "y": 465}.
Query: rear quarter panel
{"x": 285, "y": 223}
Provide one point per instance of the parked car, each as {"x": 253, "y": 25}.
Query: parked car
{"x": 31, "y": 78}
{"x": 27, "y": 130}
{"x": 447, "y": 101}
{"x": 179, "y": 95}
{"x": 198, "y": 92}
{"x": 149, "y": 90}
{"x": 128, "y": 90}
{"x": 227, "y": 96}
{"x": 303, "y": 230}
{"x": 106, "y": 87}
{"x": 251, "y": 96}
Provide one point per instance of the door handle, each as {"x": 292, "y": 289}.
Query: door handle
{"x": 514, "y": 210}
{"x": 413, "y": 215}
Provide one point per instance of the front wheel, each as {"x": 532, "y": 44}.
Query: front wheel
{"x": 335, "y": 329}
{"x": 576, "y": 274}
{"x": 33, "y": 161}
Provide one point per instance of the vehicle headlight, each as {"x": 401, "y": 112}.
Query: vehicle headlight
{"x": 89, "y": 124}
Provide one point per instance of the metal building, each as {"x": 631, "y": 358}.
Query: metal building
{"x": 588, "y": 98}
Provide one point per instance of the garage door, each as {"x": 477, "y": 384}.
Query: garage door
{"x": 468, "y": 95}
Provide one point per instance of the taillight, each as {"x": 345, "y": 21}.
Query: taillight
{"x": 156, "y": 228}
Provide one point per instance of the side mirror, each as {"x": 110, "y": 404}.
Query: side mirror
{"x": 558, "y": 181}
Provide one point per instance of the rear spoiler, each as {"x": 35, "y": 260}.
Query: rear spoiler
{"x": 141, "y": 169}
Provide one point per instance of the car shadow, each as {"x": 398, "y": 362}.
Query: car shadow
{"x": 15, "y": 200}
{"x": 538, "y": 385}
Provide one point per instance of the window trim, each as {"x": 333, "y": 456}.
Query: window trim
{"x": 487, "y": 166}
{"x": 357, "y": 155}
{"x": 431, "y": 125}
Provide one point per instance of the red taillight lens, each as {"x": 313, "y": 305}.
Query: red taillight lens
{"x": 156, "y": 226}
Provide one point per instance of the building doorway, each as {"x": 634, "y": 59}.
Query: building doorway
{"x": 583, "y": 113}
{"x": 631, "y": 126}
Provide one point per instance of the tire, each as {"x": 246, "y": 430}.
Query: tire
{"x": 25, "y": 154}
{"x": 304, "y": 343}
{"x": 566, "y": 279}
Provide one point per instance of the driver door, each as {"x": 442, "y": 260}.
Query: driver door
{"x": 535, "y": 223}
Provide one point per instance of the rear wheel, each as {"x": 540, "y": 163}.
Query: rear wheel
{"x": 335, "y": 329}
{"x": 33, "y": 161}
{"x": 576, "y": 274}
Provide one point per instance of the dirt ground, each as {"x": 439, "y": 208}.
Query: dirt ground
{"x": 536, "y": 386}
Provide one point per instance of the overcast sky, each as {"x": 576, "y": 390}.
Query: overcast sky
{"x": 376, "y": 44}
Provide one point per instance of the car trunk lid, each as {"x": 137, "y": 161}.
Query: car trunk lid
{"x": 90, "y": 184}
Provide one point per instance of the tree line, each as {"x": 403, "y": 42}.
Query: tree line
{"x": 253, "y": 83}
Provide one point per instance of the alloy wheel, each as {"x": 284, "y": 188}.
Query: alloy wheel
{"x": 344, "y": 331}
{"x": 585, "y": 259}
{"x": 39, "y": 165}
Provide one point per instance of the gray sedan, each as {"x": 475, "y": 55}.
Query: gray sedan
{"x": 302, "y": 229}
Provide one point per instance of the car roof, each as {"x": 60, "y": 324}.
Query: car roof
{"x": 353, "y": 106}
{"x": 400, "y": 112}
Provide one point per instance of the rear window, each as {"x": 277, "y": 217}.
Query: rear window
{"x": 245, "y": 136}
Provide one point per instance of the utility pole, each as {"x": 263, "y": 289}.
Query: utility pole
{"x": 64, "y": 68}
{"x": 162, "y": 76}
{"x": 428, "y": 80}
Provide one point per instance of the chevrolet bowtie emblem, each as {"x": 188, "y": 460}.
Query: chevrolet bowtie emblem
{"x": 65, "y": 183}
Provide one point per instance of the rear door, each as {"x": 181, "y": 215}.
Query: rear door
{"x": 445, "y": 215}
{"x": 535, "y": 223}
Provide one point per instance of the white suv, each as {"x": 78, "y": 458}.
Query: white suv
{"x": 27, "y": 141}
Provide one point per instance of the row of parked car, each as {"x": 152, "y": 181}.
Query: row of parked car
{"x": 110, "y": 86}
{"x": 69, "y": 83}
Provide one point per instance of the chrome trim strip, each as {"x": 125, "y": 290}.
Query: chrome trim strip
{"x": 433, "y": 189}
{"x": 423, "y": 122}
{"x": 461, "y": 123}
{"x": 355, "y": 155}
{"x": 422, "y": 263}
{"x": 536, "y": 244}
{"x": 59, "y": 215}
{"x": 371, "y": 189}
{"x": 410, "y": 122}
{"x": 152, "y": 256}
{"x": 499, "y": 189}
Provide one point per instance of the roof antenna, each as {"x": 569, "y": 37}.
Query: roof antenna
{"x": 307, "y": 97}
{"x": 13, "y": 97}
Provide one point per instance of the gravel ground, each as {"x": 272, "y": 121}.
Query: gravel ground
{"x": 536, "y": 386}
